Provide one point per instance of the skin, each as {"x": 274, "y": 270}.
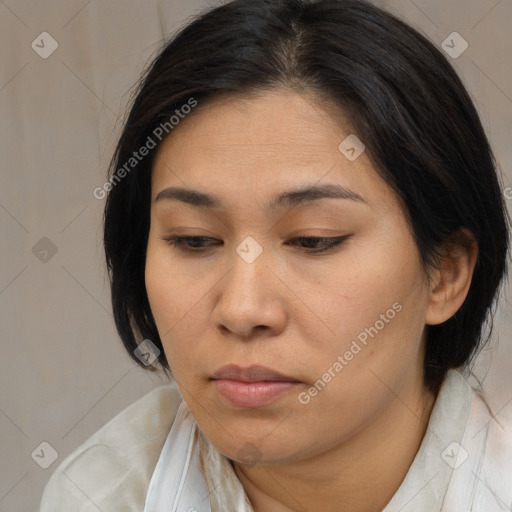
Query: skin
{"x": 295, "y": 312}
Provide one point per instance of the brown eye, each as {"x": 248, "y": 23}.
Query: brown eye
{"x": 319, "y": 244}
{"x": 188, "y": 243}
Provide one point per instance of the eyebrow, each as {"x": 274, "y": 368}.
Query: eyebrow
{"x": 289, "y": 198}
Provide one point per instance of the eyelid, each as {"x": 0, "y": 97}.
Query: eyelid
{"x": 332, "y": 243}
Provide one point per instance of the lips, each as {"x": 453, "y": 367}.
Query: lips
{"x": 252, "y": 387}
{"x": 251, "y": 374}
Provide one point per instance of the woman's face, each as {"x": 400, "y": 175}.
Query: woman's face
{"x": 344, "y": 327}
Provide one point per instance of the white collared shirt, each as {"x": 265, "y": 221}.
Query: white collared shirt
{"x": 152, "y": 457}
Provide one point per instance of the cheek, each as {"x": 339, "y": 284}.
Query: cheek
{"x": 163, "y": 287}
{"x": 176, "y": 299}
{"x": 361, "y": 369}
{"x": 160, "y": 293}
{"x": 170, "y": 291}
{"x": 367, "y": 285}
{"x": 373, "y": 308}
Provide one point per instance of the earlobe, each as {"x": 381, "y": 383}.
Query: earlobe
{"x": 451, "y": 281}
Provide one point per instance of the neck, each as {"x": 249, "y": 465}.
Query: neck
{"x": 359, "y": 475}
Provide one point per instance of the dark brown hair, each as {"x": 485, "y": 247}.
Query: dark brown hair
{"x": 399, "y": 92}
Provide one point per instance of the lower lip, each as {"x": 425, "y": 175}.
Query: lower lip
{"x": 252, "y": 394}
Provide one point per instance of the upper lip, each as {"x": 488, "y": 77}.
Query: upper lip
{"x": 253, "y": 373}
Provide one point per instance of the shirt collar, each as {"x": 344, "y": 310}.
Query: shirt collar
{"x": 178, "y": 483}
{"x": 426, "y": 483}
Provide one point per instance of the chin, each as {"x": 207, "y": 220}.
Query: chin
{"x": 256, "y": 449}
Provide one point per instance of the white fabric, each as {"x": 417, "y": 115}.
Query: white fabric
{"x": 139, "y": 462}
{"x": 178, "y": 484}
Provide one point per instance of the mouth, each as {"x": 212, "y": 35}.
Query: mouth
{"x": 252, "y": 387}
{"x": 253, "y": 373}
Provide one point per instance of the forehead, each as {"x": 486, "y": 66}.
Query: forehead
{"x": 258, "y": 146}
{"x": 278, "y": 122}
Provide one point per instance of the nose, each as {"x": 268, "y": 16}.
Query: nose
{"x": 250, "y": 299}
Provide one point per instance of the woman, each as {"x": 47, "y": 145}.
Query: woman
{"x": 305, "y": 227}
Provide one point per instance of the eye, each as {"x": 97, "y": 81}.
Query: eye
{"x": 310, "y": 244}
{"x": 326, "y": 243}
{"x": 188, "y": 243}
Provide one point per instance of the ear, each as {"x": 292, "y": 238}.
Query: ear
{"x": 451, "y": 280}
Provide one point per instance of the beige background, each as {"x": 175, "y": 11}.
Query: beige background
{"x": 63, "y": 371}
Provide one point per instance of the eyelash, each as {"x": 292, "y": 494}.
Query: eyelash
{"x": 180, "y": 242}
